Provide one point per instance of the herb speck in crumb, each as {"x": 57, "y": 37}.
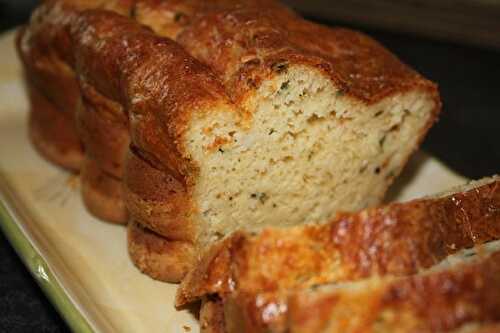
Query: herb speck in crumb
{"x": 221, "y": 150}
{"x": 284, "y": 85}
{"x": 262, "y": 197}
{"x": 381, "y": 141}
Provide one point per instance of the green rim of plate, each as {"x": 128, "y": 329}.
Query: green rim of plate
{"x": 39, "y": 269}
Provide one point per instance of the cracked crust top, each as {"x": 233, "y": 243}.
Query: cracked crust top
{"x": 244, "y": 45}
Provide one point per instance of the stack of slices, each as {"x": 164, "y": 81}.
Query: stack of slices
{"x": 428, "y": 265}
{"x": 228, "y": 135}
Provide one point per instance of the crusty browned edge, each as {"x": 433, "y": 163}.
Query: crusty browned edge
{"x": 399, "y": 239}
{"x": 46, "y": 51}
{"x": 160, "y": 258}
{"x": 51, "y": 131}
{"x": 156, "y": 199}
{"x": 212, "y": 315}
{"x": 487, "y": 328}
{"x": 44, "y": 48}
{"x": 245, "y": 45}
{"x": 169, "y": 18}
{"x": 47, "y": 58}
{"x": 434, "y": 302}
{"x": 130, "y": 65}
{"x": 102, "y": 193}
{"x": 103, "y": 128}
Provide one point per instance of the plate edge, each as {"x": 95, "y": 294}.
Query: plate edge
{"x": 38, "y": 267}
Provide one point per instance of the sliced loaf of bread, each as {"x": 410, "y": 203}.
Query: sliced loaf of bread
{"x": 300, "y": 126}
{"x": 398, "y": 239}
{"x": 319, "y": 129}
{"x": 462, "y": 289}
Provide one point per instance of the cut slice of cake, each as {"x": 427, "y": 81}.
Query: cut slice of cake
{"x": 397, "y": 239}
{"x": 462, "y": 289}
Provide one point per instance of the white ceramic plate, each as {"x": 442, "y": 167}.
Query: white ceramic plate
{"x": 81, "y": 263}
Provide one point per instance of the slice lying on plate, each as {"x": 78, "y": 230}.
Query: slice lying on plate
{"x": 248, "y": 273}
{"x": 462, "y": 289}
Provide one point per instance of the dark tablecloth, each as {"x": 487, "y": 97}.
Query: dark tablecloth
{"x": 466, "y": 139}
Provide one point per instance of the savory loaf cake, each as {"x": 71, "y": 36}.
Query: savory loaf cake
{"x": 396, "y": 239}
{"x": 462, "y": 289}
{"x": 306, "y": 120}
{"x": 326, "y": 124}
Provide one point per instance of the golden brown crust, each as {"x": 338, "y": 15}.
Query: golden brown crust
{"x": 156, "y": 200}
{"x": 158, "y": 257}
{"x": 435, "y": 302}
{"x": 166, "y": 18}
{"x": 124, "y": 66}
{"x": 169, "y": 18}
{"x": 398, "y": 239}
{"x": 487, "y": 328}
{"x": 255, "y": 312}
{"x": 103, "y": 128}
{"x": 129, "y": 65}
{"x": 102, "y": 193}
{"x": 45, "y": 49}
{"x": 103, "y": 122}
{"x": 212, "y": 315}
{"x": 243, "y": 46}
{"x": 52, "y": 133}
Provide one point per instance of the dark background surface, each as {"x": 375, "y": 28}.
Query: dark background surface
{"x": 466, "y": 139}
